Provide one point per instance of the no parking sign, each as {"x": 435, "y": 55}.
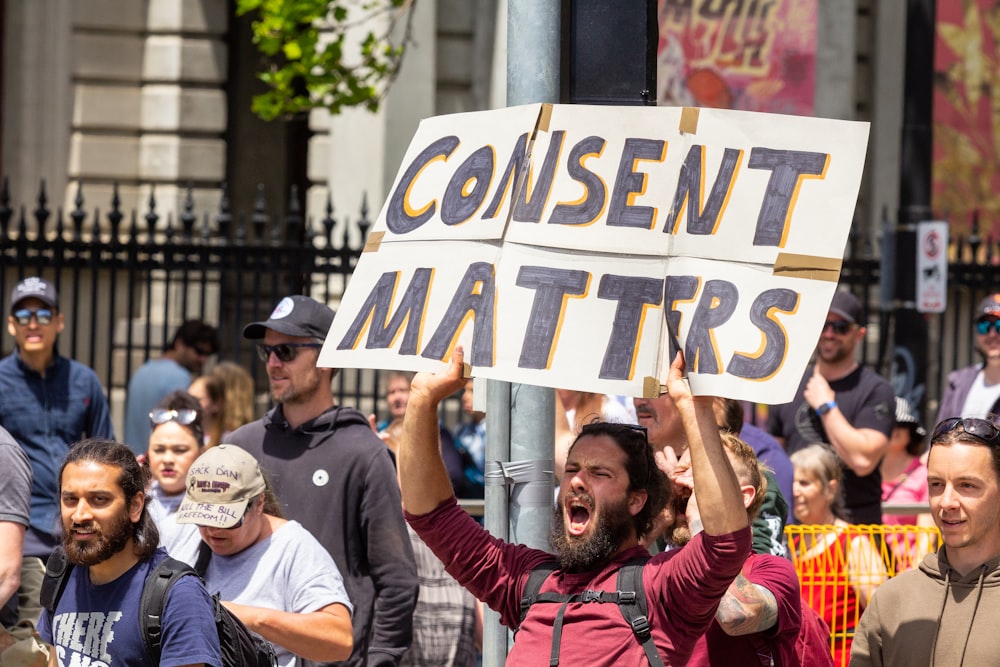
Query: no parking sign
{"x": 932, "y": 266}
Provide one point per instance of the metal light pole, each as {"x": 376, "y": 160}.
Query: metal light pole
{"x": 909, "y": 371}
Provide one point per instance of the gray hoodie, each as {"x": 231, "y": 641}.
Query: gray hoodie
{"x": 933, "y": 616}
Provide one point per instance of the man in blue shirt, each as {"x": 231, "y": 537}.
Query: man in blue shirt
{"x": 182, "y": 360}
{"x": 112, "y": 541}
{"x": 49, "y": 402}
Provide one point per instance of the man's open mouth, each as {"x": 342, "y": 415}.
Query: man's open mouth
{"x": 578, "y": 512}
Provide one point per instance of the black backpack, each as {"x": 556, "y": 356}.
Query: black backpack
{"x": 630, "y": 598}
{"x": 240, "y": 647}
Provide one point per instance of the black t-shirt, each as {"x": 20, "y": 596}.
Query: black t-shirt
{"x": 866, "y": 400}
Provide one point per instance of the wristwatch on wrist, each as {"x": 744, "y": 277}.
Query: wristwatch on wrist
{"x": 826, "y": 407}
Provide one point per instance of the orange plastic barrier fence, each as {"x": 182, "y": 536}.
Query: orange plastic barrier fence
{"x": 840, "y": 567}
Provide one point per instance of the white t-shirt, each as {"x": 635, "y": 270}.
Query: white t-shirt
{"x": 981, "y": 398}
{"x": 288, "y": 571}
{"x": 181, "y": 540}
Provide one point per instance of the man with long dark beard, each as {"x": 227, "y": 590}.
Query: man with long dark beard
{"x": 609, "y": 494}
{"x": 112, "y": 541}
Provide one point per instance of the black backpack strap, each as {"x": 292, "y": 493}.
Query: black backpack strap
{"x": 57, "y": 570}
{"x": 633, "y": 605}
{"x": 530, "y": 595}
{"x": 204, "y": 556}
{"x": 154, "y": 599}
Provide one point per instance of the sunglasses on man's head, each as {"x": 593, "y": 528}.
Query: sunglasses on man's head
{"x": 983, "y": 326}
{"x": 284, "y": 351}
{"x": 42, "y": 315}
{"x": 183, "y": 416}
{"x": 982, "y": 429}
{"x": 840, "y": 327}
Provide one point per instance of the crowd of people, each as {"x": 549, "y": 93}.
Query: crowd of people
{"x": 337, "y": 537}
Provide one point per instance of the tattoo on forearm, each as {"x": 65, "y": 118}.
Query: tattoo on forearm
{"x": 746, "y": 608}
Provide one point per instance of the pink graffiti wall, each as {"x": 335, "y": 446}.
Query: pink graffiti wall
{"x": 966, "y": 169}
{"x": 753, "y": 55}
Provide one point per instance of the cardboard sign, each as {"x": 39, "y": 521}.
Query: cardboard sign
{"x": 575, "y": 247}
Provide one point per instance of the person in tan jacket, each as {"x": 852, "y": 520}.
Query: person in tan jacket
{"x": 944, "y": 612}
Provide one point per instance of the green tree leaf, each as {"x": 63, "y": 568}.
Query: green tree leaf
{"x": 309, "y": 61}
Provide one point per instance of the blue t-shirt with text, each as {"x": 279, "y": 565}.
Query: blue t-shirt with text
{"x": 98, "y": 626}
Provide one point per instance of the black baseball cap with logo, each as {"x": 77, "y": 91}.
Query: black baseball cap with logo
{"x": 295, "y": 315}
{"x": 34, "y": 288}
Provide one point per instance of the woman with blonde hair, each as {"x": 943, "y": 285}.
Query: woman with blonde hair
{"x": 211, "y": 395}
{"x": 238, "y": 407}
{"x": 839, "y": 565}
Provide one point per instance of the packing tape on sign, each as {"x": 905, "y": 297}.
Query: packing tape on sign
{"x": 520, "y": 475}
{"x": 809, "y": 267}
{"x": 373, "y": 242}
{"x": 544, "y": 118}
{"x": 689, "y": 120}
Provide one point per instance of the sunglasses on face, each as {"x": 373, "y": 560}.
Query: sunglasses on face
{"x": 183, "y": 416}
{"x": 284, "y": 351}
{"x": 983, "y": 326}
{"x": 42, "y": 315}
{"x": 982, "y": 429}
{"x": 839, "y": 327}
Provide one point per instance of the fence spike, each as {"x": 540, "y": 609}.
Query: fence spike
{"x": 224, "y": 218}
{"x": 5, "y": 210}
{"x": 309, "y": 233}
{"x": 115, "y": 215}
{"x": 240, "y": 236}
{"x": 42, "y": 212}
{"x": 188, "y": 217}
{"x": 974, "y": 239}
{"x": 364, "y": 223}
{"x": 206, "y": 229}
{"x": 78, "y": 215}
{"x": 60, "y": 227}
{"x": 293, "y": 219}
{"x": 169, "y": 231}
{"x": 151, "y": 217}
{"x": 259, "y": 218}
{"x": 329, "y": 222}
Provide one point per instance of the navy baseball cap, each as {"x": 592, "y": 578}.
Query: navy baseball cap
{"x": 295, "y": 315}
{"x": 34, "y": 288}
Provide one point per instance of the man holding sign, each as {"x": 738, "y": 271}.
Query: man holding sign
{"x": 610, "y": 492}
{"x": 844, "y": 404}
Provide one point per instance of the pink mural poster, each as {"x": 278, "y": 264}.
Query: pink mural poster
{"x": 751, "y": 55}
{"x": 966, "y": 120}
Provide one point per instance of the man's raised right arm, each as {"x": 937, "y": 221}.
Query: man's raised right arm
{"x": 720, "y": 500}
{"x": 423, "y": 478}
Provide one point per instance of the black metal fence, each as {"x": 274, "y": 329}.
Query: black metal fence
{"x": 128, "y": 279}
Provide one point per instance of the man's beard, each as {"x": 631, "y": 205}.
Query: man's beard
{"x": 583, "y": 553}
{"x": 299, "y": 392}
{"x": 104, "y": 547}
